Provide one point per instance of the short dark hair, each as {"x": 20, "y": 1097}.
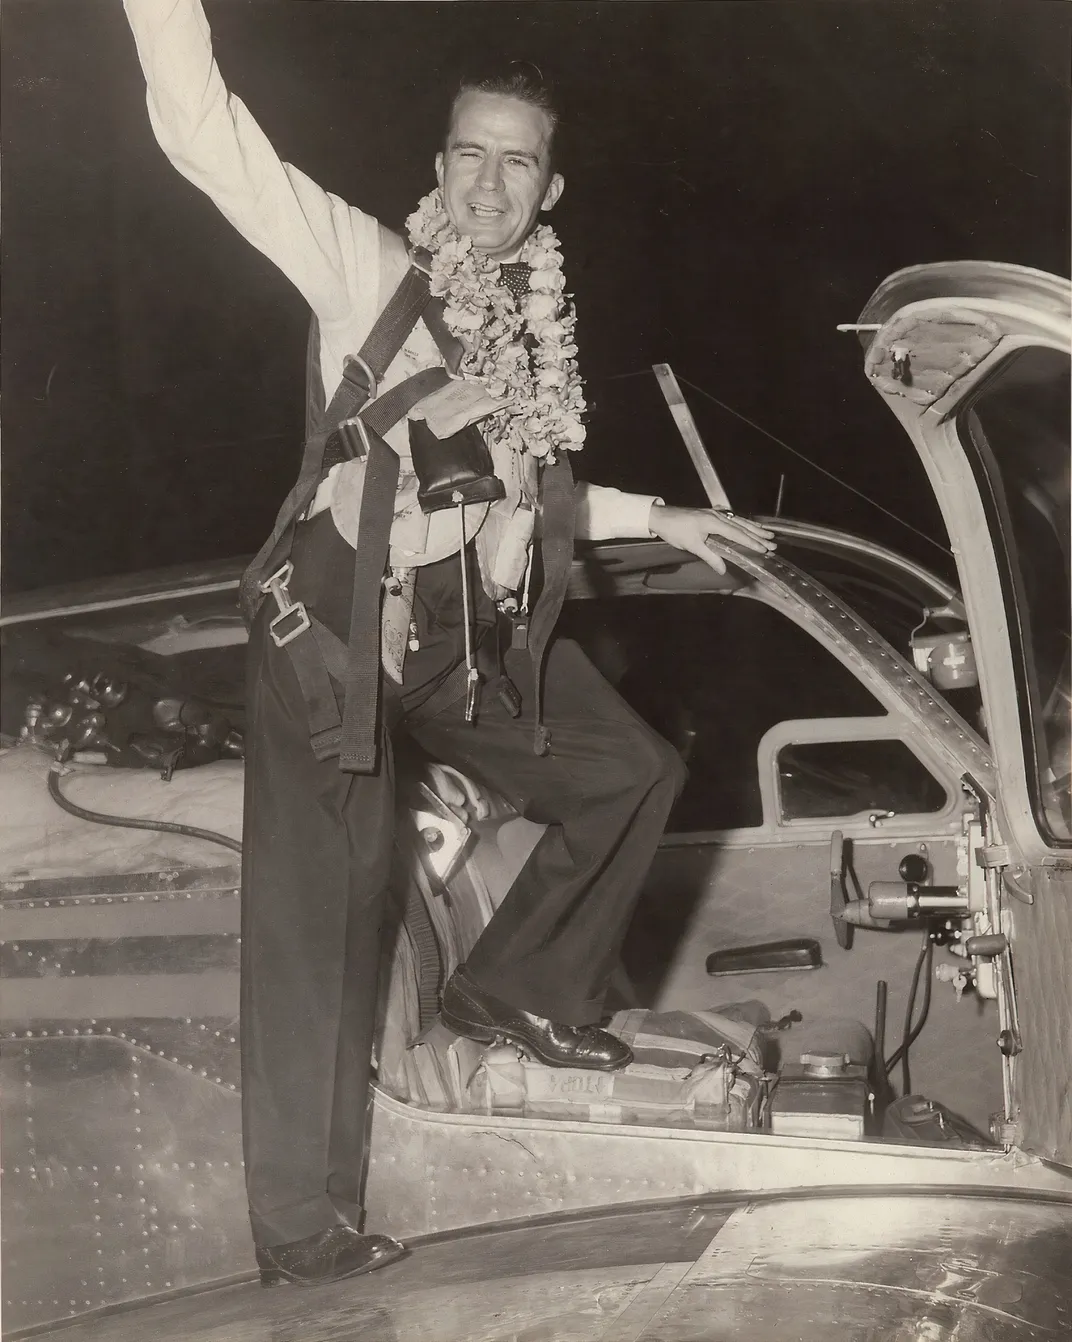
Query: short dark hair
{"x": 521, "y": 80}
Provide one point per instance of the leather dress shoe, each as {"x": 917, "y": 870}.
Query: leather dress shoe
{"x": 469, "y": 1011}
{"x": 329, "y": 1255}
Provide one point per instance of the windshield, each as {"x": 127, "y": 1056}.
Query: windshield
{"x": 1019, "y": 428}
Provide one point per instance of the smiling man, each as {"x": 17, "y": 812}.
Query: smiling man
{"x": 443, "y": 372}
{"x": 495, "y": 173}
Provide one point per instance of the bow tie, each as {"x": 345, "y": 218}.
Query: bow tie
{"x": 515, "y": 275}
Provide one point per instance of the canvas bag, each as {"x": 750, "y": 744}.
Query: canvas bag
{"x": 690, "y": 1069}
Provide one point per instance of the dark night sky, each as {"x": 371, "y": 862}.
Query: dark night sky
{"x": 740, "y": 176}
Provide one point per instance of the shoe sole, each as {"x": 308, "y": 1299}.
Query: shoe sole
{"x": 278, "y": 1276}
{"x": 482, "y": 1035}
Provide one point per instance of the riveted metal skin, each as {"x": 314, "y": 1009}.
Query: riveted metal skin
{"x": 123, "y": 1179}
{"x": 122, "y": 1172}
{"x": 119, "y": 1068}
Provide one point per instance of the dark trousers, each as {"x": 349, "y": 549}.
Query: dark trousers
{"x": 317, "y": 851}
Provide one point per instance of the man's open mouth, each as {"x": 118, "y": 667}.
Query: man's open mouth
{"x": 485, "y": 211}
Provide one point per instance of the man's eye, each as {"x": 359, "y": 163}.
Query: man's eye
{"x": 518, "y": 162}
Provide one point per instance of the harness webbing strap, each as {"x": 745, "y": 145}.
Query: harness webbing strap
{"x": 332, "y": 649}
{"x": 399, "y": 316}
{"x": 556, "y": 550}
{"x": 359, "y": 749}
{"x": 447, "y": 343}
{"x": 268, "y": 556}
{"x": 319, "y": 695}
{"x": 395, "y": 404}
{"x": 314, "y": 383}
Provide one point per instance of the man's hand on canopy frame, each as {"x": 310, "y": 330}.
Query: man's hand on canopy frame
{"x": 689, "y": 529}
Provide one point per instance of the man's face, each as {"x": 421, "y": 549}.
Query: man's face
{"x": 496, "y": 171}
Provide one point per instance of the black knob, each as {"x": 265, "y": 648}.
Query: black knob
{"x": 913, "y": 868}
{"x": 1009, "y": 1044}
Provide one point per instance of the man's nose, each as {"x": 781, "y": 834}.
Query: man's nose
{"x": 490, "y": 177}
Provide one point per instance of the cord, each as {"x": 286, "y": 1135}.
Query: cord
{"x": 128, "y": 822}
{"x": 911, "y": 1034}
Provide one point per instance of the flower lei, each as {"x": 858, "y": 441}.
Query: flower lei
{"x": 521, "y": 351}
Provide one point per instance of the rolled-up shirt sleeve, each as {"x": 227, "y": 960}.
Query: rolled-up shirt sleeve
{"x": 605, "y": 514}
{"x": 314, "y": 237}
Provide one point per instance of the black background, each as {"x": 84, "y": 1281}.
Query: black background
{"x": 740, "y": 177}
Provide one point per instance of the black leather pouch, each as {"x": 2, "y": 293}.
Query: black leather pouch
{"x": 452, "y": 470}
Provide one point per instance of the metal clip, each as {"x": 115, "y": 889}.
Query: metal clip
{"x": 276, "y": 586}
{"x": 472, "y": 694}
{"x": 371, "y": 380}
{"x": 362, "y": 446}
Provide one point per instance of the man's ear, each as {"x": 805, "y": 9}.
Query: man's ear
{"x": 555, "y": 187}
{"x": 439, "y": 168}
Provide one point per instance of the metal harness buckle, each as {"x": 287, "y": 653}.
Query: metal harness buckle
{"x": 372, "y": 382}
{"x": 276, "y": 586}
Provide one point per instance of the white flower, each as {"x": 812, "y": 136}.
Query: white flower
{"x": 555, "y": 331}
{"x": 538, "y": 377}
{"x": 541, "y": 258}
{"x": 571, "y": 429}
{"x": 547, "y": 282}
{"x": 462, "y": 319}
{"x": 540, "y": 305}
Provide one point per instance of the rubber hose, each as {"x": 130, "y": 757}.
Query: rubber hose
{"x": 129, "y": 822}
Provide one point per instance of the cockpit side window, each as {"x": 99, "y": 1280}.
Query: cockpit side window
{"x": 1018, "y": 432}
{"x": 713, "y": 674}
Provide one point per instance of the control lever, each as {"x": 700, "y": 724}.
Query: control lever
{"x": 839, "y": 898}
{"x": 995, "y": 946}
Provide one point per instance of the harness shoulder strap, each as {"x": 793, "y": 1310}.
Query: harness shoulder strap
{"x": 314, "y": 382}
{"x": 400, "y": 314}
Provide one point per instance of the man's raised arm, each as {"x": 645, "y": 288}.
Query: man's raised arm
{"x": 211, "y": 138}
